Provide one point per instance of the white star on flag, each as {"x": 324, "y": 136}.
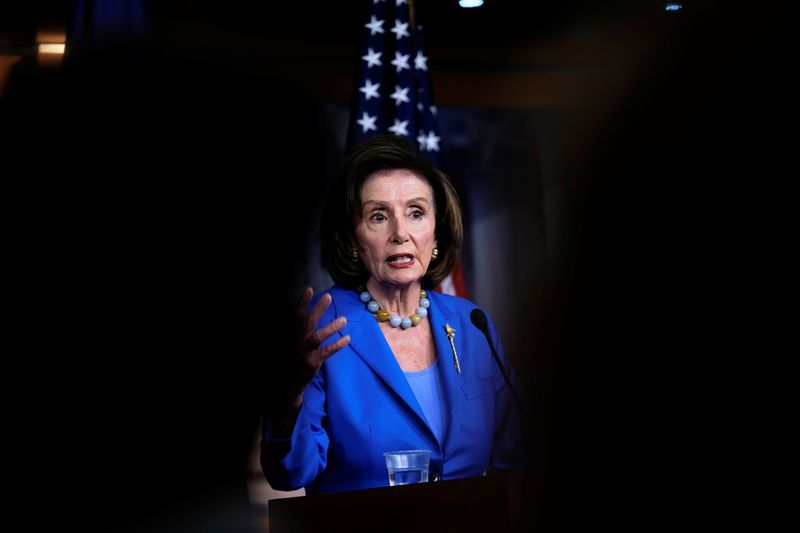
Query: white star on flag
{"x": 423, "y": 145}
{"x": 372, "y": 58}
{"x": 399, "y": 127}
{"x": 370, "y": 89}
{"x": 433, "y": 142}
{"x": 367, "y": 122}
{"x": 374, "y": 25}
{"x": 420, "y": 61}
{"x": 400, "y": 29}
{"x": 400, "y": 61}
{"x": 400, "y": 95}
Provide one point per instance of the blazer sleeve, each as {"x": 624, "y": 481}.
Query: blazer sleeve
{"x": 292, "y": 463}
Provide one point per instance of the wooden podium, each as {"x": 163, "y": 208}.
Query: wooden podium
{"x": 490, "y": 503}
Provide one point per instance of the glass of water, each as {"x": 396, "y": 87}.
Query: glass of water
{"x": 407, "y": 466}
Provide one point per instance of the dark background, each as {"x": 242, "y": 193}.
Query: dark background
{"x": 151, "y": 270}
{"x": 140, "y": 242}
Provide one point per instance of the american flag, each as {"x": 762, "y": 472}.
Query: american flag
{"x": 393, "y": 94}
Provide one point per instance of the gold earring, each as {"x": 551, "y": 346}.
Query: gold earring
{"x": 355, "y": 256}
{"x": 435, "y": 253}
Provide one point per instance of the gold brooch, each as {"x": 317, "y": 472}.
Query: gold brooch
{"x": 451, "y": 333}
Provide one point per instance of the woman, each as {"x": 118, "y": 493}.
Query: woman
{"x": 393, "y": 365}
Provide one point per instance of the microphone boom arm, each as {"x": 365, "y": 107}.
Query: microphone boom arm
{"x": 478, "y": 319}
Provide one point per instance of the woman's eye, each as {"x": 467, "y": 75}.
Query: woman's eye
{"x": 417, "y": 214}
{"x": 377, "y": 217}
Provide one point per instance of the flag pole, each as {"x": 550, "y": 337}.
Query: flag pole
{"x": 411, "y": 17}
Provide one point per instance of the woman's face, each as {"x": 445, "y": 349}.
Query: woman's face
{"x": 396, "y": 234}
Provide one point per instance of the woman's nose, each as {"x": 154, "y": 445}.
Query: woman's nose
{"x": 399, "y": 232}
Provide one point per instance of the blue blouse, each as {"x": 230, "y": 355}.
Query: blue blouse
{"x": 427, "y": 388}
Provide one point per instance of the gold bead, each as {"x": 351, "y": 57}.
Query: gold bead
{"x": 382, "y": 314}
{"x": 415, "y": 319}
{"x": 423, "y": 294}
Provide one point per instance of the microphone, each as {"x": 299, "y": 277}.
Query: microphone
{"x": 479, "y": 320}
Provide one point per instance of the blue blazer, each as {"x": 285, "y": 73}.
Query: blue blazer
{"x": 360, "y": 405}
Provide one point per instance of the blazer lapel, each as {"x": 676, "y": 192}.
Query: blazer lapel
{"x": 367, "y": 340}
{"x": 441, "y": 317}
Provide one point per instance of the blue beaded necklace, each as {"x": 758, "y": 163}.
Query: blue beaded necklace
{"x": 395, "y": 320}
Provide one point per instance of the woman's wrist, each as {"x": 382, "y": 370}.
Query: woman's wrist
{"x": 284, "y": 416}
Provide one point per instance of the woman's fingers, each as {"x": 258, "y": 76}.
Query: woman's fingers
{"x": 312, "y": 318}
{"x": 302, "y": 303}
{"x": 313, "y": 337}
{"x": 319, "y": 336}
{"x": 333, "y": 347}
{"x": 322, "y": 334}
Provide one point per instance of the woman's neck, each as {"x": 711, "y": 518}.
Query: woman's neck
{"x": 402, "y": 301}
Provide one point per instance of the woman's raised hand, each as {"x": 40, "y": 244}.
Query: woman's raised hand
{"x": 312, "y": 355}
